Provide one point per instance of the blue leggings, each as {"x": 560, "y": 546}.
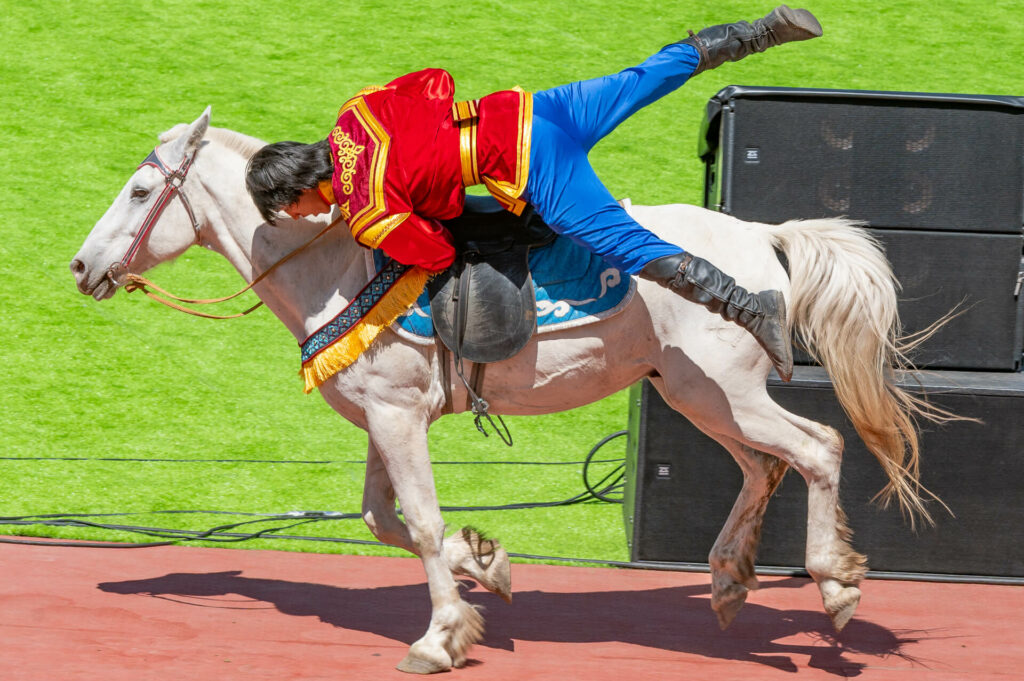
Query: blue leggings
{"x": 567, "y": 122}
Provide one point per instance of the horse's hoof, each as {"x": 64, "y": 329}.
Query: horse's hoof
{"x": 418, "y": 664}
{"x": 485, "y": 560}
{"x": 841, "y": 606}
{"x": 500, "y": 575}
{"x": 728, "y": 602}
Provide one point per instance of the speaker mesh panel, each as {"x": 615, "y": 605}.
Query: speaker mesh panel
{"x": 894, "y": 165}
{"x": 681, "y": 484}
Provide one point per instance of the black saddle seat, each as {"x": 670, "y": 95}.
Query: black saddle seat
{"x": 485, "y": 226}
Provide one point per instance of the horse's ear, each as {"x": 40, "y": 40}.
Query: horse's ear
{"x": 196, "y": 131}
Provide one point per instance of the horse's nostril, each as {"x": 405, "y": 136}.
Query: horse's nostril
{"x": 77, "y": 266}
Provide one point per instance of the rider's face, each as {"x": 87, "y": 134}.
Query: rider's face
{"x": 310, "y": 202}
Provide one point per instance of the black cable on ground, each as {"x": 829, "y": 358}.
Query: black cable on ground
{"x": 86, "y": 544}
{"x": 323, "y": 462}
{"x": 620, "y": 470}
{"x": 221, "y": 534}
{"x": 168, "y": 512}
{"x": 217, "y": 534}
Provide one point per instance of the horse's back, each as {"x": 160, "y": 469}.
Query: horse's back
{"x": 742, "y": 249}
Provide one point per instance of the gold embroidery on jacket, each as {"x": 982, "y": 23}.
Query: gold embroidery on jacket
{"x": 378, "y": 144}
{"x": 348, "y": 154}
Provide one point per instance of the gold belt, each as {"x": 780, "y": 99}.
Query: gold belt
{"x": 466, "y": 116}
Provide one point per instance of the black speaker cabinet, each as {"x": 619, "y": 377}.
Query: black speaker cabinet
{"x": 938, "y": 178}
{"x": 894, "y": 159}
{"x": 976, "y": 272}
{"x": 680, "y": 484}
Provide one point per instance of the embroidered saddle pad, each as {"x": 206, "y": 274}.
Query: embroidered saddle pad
{"x": 572, "y": 286}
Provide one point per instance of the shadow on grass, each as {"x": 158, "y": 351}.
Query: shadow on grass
{"x": 675, "y": 619}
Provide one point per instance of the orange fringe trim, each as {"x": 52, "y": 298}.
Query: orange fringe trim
{"x": 347, "y": 349}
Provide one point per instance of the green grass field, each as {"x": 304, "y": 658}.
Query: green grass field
{"x": 87, "y": 86}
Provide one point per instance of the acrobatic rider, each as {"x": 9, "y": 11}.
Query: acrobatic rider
{"x": 400, "y": 157}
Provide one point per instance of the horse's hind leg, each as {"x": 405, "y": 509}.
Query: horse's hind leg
{"x": 748, "y": 415}
{"x": 732, "y": 557}
{"x": 467, "y": 552}
{"x": 815, "y": 451}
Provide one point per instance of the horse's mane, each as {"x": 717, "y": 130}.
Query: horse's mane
{"x": 236, "y": 141}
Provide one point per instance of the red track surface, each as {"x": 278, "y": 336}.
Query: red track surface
{"x": 191, "y": 614}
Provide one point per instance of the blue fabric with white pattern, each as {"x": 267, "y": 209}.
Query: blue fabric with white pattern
{"x": 570, "y": 283}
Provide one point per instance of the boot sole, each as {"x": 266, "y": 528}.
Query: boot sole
{"x": 799, "y": 19}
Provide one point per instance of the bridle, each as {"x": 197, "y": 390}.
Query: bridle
{"x": 173, "y": 180}
{"x": 119, "y": 275}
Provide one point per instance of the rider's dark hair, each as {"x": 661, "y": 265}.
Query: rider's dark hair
{"x": 278, "y": 173}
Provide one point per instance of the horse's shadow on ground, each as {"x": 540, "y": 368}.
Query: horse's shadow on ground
{"x": 674, "y": 618}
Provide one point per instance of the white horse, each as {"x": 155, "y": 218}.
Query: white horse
{"x": 841, "y": 298}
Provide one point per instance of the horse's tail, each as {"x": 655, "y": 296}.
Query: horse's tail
{"x": 843, "y": 307}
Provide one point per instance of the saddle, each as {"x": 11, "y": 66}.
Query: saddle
{"x": 483, "y": 306}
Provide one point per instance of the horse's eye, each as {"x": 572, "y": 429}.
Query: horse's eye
{"x": 140, "y": 193}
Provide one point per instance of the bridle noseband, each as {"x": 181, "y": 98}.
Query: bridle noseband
{"x": 173, "y": 180}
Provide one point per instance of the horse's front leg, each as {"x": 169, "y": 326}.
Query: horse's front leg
{"x": 400, "y": 437}
{"x": 467, "y": 552}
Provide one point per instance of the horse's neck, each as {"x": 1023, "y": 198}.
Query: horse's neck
{"x": 309, "y": 289}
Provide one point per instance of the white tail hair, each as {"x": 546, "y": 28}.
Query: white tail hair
{"x": 843, "y": 307}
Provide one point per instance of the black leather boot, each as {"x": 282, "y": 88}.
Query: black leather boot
{"x": 762, "y": 314}
{"x": 732, "y": 42}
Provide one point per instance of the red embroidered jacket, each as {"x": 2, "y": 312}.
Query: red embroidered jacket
{"x": 402, "y": 161}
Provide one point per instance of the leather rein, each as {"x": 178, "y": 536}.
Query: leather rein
{"x": 119, "y": 275}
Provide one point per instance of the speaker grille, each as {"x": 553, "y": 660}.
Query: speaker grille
{"x": 893, "y": 164}
{"x": 974, "y": 467}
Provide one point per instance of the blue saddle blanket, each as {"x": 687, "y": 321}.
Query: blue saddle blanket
{"x": 573, "y": 286}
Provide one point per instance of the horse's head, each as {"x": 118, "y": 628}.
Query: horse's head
{"x": 127, "y": 238}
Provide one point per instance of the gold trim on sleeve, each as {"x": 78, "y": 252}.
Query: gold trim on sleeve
{"x": 374, "y": 234}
